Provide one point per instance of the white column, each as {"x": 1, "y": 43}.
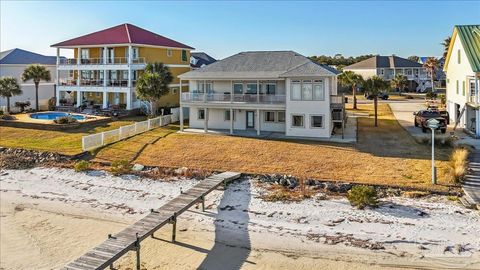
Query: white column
{"x": 258, "y": 91}
{"x": 105, "y": 99}
{"x": 57, "y": 100}
{"x": 57, "y": 79}
{"x": 105, "y": 55}
{"x": 477, "y": 90}
{"x": 129, "y": 66}
{"x": 79, "y": 98}
{"x": 258, "y": 122}
{"x": 205, "y": 121}
{"x": 477, "y": 122}
{"x": 129, "y": 100}
{"x": 231, "y": 91}
{"x": 180, "y": 93}
{"x": 181, "y": 118}
{"x": 204, "y": 90}
{"x": 231, "y": 121}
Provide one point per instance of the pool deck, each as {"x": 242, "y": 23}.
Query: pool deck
{"x": 25, "y": 117}
{"x": 23, "y": 120}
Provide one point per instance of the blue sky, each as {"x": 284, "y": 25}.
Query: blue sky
{"x": 225, "y": 28}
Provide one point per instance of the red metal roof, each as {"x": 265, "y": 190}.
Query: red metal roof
{"x": 122, "y": 34}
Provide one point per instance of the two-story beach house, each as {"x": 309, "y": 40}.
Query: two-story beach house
{"x": 387, "y": 67}
{"x": 107, "y": 63}
{"x": 271, "y": 91}
{"x": 462, "y": 66}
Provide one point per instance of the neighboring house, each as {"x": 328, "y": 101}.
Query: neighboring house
{"x": 440, "y": 76}
{"x": 387, "y": 67}
{"x": 200, "y": 59}
{"x": 107, "y": 63}
{"x": 13, "y": 63}
{"x": 462, "y": 66}
{"x": 273, "y": 91}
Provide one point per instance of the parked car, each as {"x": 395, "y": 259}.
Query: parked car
{"x": 383, "y": 96}
{"x": 421, "y": 118}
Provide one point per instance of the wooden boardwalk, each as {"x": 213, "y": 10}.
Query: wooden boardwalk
{"x": 105, "y": 254}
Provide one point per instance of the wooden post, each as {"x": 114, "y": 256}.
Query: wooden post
{"x": 224, "y": 184}
{"x": 174, "y": 226}
{"x": 203, "y": 203}
{"x": 137, "y": 247}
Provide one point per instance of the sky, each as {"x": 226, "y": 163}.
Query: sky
{"x": 222, "y": 29}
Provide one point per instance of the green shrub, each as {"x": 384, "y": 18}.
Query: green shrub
{"x": 119, "y": 167}
{"x": 65, "y": 120}
{"x": 22, "y": 105}
{"x": 363, "y": 196}
{"x": 7, "y": 116}
{"x": 52, "y": 102}
{"x": 81, "y": 166}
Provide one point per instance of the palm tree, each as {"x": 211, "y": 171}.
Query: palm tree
{"x": 374, "y": 87}
{"x": 153, "y": 84}
{"x": 36, "y": 73}
{"x": 431, "y": 66}
{"x": 8, "y": 88}
{"x": 446, "y": 45}
{"x": 351, "y": 79}
{"x": 400, "y": 82}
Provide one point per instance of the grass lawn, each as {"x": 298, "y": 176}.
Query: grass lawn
{"x": 65, "y": 142}
{"x": 384, "y": 155}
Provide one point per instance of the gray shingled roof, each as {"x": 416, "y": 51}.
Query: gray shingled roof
{"x": 202, "y": 59}
{"x": 22, "y": 57}
{"x": 260, "y": 65}
{"x": 384, "y": 62}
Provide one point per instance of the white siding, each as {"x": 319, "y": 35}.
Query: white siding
{"x": 457, "y": 72}
{"x": 366, "y": 73}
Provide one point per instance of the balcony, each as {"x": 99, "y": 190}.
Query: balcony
{"x": 96, "y": 83}
{"x": 100, "y": 61}
{"x": 236, "y": 98}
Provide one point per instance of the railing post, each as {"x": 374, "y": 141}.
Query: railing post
{"x": 83, "y": 143}
{"x": 103, "y": 138}
{"x": 137, "y": 248}
{"x": 174, "y": 226}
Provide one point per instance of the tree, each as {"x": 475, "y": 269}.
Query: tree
{"x": 374, "y": 87}
{"x": 153, "y": 84}
{"x": 351, "y": 79}
{"x": 414, "y": 58}
{"x": 8, "y": 88}
{"x": 399, "y": 82}
{"x": 431, "y": 66}
{"x": 36, "y": 73}
{"x": 446, "y": 45}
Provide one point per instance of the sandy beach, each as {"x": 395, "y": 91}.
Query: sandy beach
{"x": 50, "y": 216}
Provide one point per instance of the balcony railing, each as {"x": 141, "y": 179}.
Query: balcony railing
{"x": 96, "y": 83}
{"x": 236, "y": 98}
{"x": 100, "y": 61}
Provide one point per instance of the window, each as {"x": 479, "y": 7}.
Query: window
{"x": 202, "y": 86}
{"x": 297, "y": 120}
{"x": 84, "y": 54}
{"x": 184, "y": 55}
{"x": 458, "y": 88}
{"x": 226, "y": 115}
{"x": 472, "y": 87}
{"x": 296, "y": 92}
{"x": 238, "y": 88}
{"x": 463, "y": 88}
{"x": 316, "y": 121}
{"x": 270, "y": 87}
{"x": 307, "y": 90}
{"x": 251, "y": 88}
{"x": 281, "y": 117}
{"x": 201, "y": 114}
{"x": 459, "y": 54}
{"x": 408, "y": 72}
{"x": 318, "y": 90}
{"x": 174, "y": 90}
{"x": 269, "y": 117}
{"x": 169, "y": 52}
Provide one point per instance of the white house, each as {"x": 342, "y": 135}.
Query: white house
{"x": 13, "y": 63}
{"x": 274, "y": 91}
{"x": 387, "y": 67}
{"x": 462, "y": 67}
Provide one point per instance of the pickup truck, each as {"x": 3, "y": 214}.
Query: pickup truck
{"x": 421, "y": 118}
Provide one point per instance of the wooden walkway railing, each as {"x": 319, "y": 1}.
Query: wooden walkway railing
{"x": 105, "y": 254}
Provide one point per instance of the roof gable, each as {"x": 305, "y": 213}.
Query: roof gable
{"x": 23, "y": 57}
{"x": 469, "y": 36}
{"x": 122, "y": 34}
{"x": 202, "y": 59}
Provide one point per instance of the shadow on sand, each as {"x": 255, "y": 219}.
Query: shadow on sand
{"x": 232, "y": 240}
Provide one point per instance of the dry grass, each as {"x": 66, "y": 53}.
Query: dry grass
{"x": 65, "y": 142}
{"x": 383, "y": 155}
{"x": 458, "y": 164}
{"x": 276, "y": 193}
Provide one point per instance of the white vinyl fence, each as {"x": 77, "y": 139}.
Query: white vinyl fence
{"x": 93, "y": 141}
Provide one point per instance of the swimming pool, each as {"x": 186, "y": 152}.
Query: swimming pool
{"x": 55, "y": 115}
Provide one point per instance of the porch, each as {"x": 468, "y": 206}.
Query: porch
{"x": 96, "y": 99}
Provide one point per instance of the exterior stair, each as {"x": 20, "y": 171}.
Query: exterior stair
{"x": 471, "y": 184}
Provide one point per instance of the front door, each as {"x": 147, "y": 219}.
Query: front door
{"x": 250, "y": 119}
